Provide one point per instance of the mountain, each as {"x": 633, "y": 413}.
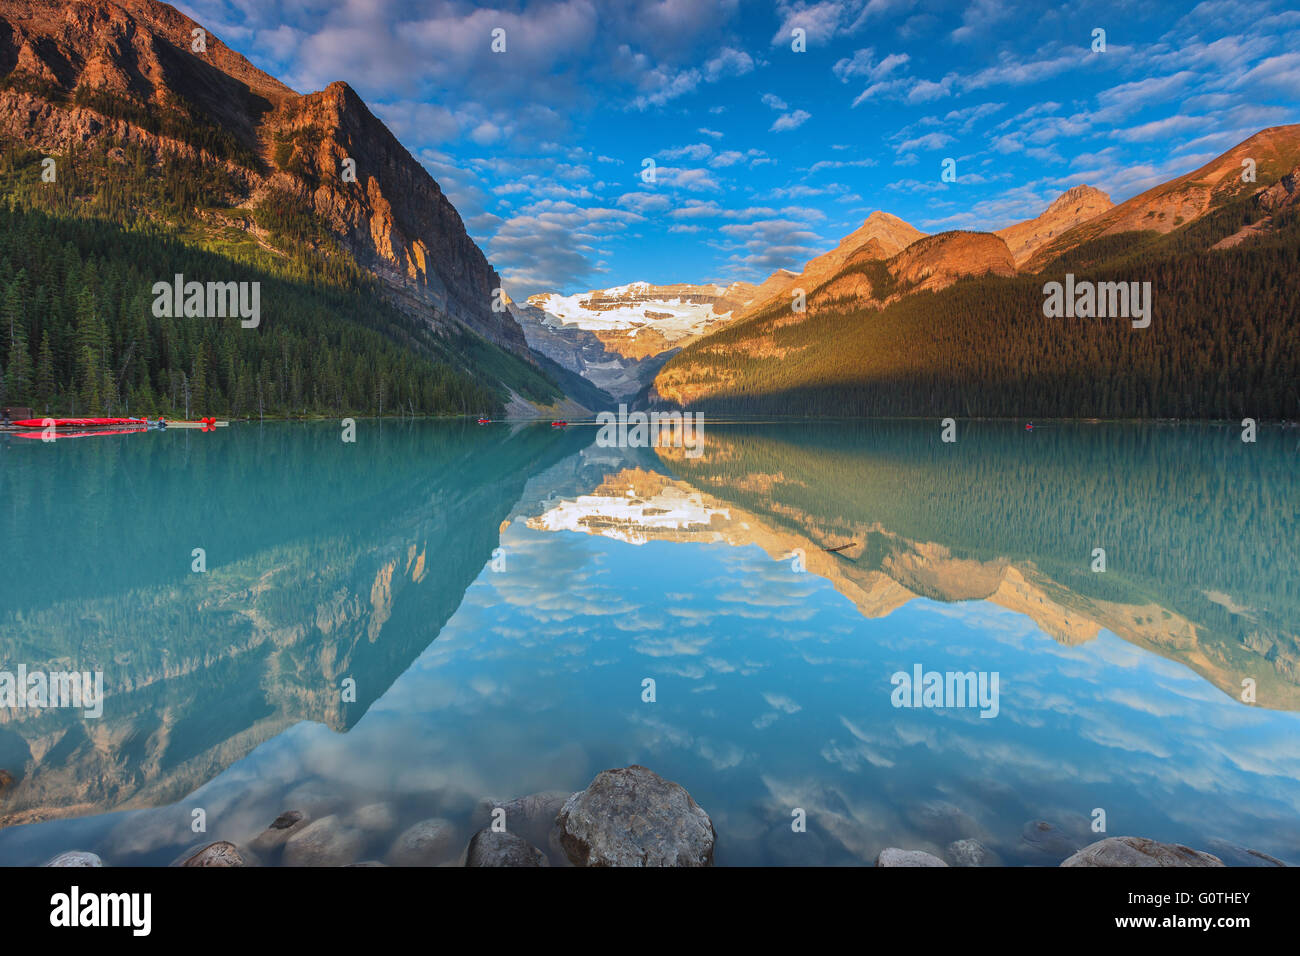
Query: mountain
{"x": 149, "y": 125}
{"x": 880, "y": 236}
{"x": 840, "y": 277}
{"x": 1274, "y": 201}
{"x": 617, "y": 338}
{"x": 870, "y": 278}
{"x": 1183, "y": 200}
{"x": 777, "y": 282}
{"x": 1076, "y": 205}
{"x": 949, "y": 326}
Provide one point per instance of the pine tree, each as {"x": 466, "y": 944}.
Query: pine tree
{"x": 18, "y": 377}
{"x": 89, "y": 382}
{"x": 44, "y": 385}
{"x": 199, "y": 387}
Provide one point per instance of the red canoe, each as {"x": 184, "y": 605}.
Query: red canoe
{"x": 95, "y": 433}
{"x": 77, "y": 422}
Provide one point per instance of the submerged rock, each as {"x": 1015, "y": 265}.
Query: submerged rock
{"x": 634, "y": 817}
{"x": 492, "y": 848}
{"x": 76, "y": 858}
{"x": 6, "y": 780}
{"x": 220, "y": 853}
{"x": 1139, "y": 851}
{"x": 374, "y": 818}
{"x": 893, "y": 856}
{"x": 427, "y": 843}
{"x": 969, "y": 853}
{"x": 942, "y": 821}
{"x": 530, "y": 817}
{"x": 281, "y": 829}
{"x": 327, "y": 842}
{"x": 1048, "y": 838}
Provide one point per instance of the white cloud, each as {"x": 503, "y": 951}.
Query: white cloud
{"x": 789, "y": 121}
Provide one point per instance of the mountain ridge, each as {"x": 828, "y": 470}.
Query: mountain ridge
{"x": 961, "y": 330}
{"x": 65, "y": 75}
{"x": 1076, "y": 205}
{"x": 1186, "y": 198}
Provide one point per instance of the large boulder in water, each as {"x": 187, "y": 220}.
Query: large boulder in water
{"x": 221, "y": 853}
{"x": 893, "y": 856}
{"x": 373, "y": 818}
{"x": 1138, "y": 851}
{"x": 492, "y": 848}
{"x": 634, "y": 817}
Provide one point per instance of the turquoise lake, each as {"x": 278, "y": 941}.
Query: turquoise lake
{"x": 498, "y": 596}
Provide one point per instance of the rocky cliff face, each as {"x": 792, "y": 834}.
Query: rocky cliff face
{"x": 1075, "y": 205}
{"x": 1283, "y": 194}
{"x": 582, "y": 352}
{"x": 128, "y": 71}
{"x": 394, "y": 218}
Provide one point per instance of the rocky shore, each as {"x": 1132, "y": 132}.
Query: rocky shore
{"x": 628, "y": 816}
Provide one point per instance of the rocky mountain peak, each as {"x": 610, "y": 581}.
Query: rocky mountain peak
{"x": 893, "y": 234}
{"x": 880, "y": 236}
{"x": 83, "y": 72}
{"x": 1081, "y": 193}
{"x": 1076, "y": 205}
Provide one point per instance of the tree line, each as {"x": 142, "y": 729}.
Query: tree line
{"x": 79, "y": 257}
{"x": 1223, "y": 344}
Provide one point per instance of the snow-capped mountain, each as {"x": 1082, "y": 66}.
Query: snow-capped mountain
{"x": 619, "y": 337}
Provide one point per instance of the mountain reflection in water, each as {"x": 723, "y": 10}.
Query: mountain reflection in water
{"x": 499, "y": 594}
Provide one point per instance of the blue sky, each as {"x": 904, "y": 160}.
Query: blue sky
{"x": 765, "y": 156}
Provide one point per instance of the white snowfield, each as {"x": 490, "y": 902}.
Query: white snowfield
{"x": 632, "y": 519}
{"x": 674, "y": 318}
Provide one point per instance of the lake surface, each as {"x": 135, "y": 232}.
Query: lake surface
{"x": 500, "y": 594}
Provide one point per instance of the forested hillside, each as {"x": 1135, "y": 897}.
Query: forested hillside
{"x": 130, "y": 154}
{"x": 78, "y": 259}
{"x": 1224, "y": 341}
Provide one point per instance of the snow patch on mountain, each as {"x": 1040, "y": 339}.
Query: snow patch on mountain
{"x": 629, "y": 308}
